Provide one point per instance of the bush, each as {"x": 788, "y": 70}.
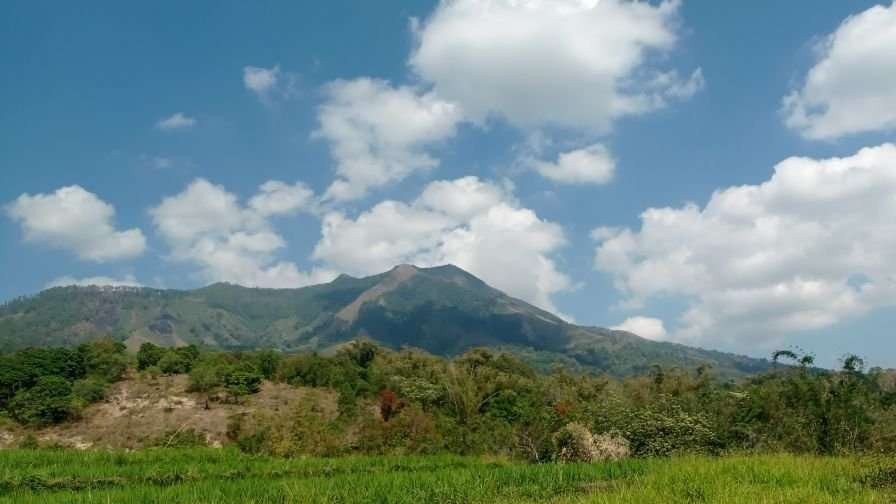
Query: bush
{"x": 242, "y": 381}
{"x": 575, "y": 443}
{"x": 49, "y": 401}
{"x": 149, "y": 355}
{"x": 662, "y": 430}
{"x": 308, "y": 429}
{"x": 174, "y": 363}
{"x": 89, "y": 390}
{"x": 411, "y": 432}
{"x": 611, "y": 447}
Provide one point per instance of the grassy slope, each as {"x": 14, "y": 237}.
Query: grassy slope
{"x": 219, "y": 476}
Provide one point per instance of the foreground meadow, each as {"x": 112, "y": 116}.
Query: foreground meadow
{"x": 226, "y": 476}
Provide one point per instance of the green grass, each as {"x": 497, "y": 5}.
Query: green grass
{"x": 225, "y": 476}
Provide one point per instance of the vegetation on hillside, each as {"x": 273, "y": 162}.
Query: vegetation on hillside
{"x": 443, "y": 310}
{"x": 481, "y": 402}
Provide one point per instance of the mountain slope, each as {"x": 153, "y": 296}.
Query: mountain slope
{"x": 444, "y": 310}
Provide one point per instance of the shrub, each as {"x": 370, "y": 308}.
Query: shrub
{"x": 89, "y": 390}
{"x": 308, "y": 429}
{"x": 611, "y": 446}
{"x": 29, "y": 442}
{"x": 242, "y": 381}
{"x": 49, "y": 401}
{"x": 174, "y": 363}
{"x": 574, "y": 443}
{"x": 149, "y": 355}
{"x": 663, "y": 430}
{"x": 390, "y": 404}
{"x": 411, "y": 432}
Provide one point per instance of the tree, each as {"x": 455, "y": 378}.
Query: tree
{"x": 174, "y": 362}
{"x": 49, "y": 401}
{"x": 104, "y": 359}
{"x": 149, "y": 355}
{"x": 242, "y": 380}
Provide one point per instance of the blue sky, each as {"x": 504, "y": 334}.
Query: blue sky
{"x": 138, "y": 143}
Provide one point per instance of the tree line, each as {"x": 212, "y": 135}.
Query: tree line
{"x": 364, "y": 398}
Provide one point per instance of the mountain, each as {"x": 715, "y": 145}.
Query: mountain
{"x": 444, "y": 310}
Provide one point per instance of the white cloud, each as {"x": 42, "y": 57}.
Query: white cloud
{"x": 568, "y": 63}
{"x": 76, "y": 220}
{"x": 177, "y": 121}
{"x": 473, "y": 224}
{"x": 275, "y": 197}
{"x": 380, "y": 134}
{"x": 852, "y": 87}
{"x": 207, "y": 226}
{"x": 99, "y": 281}
{"x": 645, "y": 327}
{"x": 804, "y": 250}
{"x": 270, "y": 85}
{"x": 261, "y": 81}
{"x": 590, "y": 165}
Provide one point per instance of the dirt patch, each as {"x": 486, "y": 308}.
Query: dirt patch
{"x": 141, "y": 411}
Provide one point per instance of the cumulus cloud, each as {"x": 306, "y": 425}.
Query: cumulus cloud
{"x": 177, "y": 121}
{"x": 568, "y": 63}
{"x": 76, "y": 220}
{"x": 590, "y": 165}
{"x": 379, "y": 134}
{"x": 275, "y": 197}
{"x": 474, "y": 224}
{"x": 98, "y": 281}
{"x": 852, "y": 86}
{"x": 206, "y": 225}
{"x": 645, "y": 327}
{"x": 806, "y": 249}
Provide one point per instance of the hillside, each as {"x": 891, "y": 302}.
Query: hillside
{"x": 443, "y": 310}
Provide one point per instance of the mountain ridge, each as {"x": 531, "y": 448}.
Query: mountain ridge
{"x": 444, "y": 310}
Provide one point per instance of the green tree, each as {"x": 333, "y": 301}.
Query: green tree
{"x": 174, "y": 362}
{"x": 149, "y": 355}
{"x": 49, "y": 401}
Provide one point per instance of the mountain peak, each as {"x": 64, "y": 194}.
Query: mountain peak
{"x": 442, "y": 309}
{"x": 404, "y": 269}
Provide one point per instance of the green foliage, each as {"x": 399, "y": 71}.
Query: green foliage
{"x": 234, "y": 374}
{"x": 89, "y": 390}
{"x": 242, "y": 380}
{"x": 368, "y": 399}
{"x": 48, "y": 401}
{"x": 664, "y": 430}
{"x": 149, "y": 355}
{"x": 104, "y": 359}
{"x": 178, "y": 360}
{"x": 45, "y": 386}
{"x": 443, "y": 310}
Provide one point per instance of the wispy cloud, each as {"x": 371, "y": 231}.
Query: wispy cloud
{"x": 178, "y": 121}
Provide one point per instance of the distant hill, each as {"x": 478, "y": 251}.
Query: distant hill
{"x": 443, "y": 310}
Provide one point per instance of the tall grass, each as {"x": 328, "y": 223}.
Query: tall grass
{"x": 227, "y": 476}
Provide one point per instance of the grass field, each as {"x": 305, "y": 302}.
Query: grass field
{"x": 225, "y": 476}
